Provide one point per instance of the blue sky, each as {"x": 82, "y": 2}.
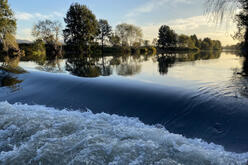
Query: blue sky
{"x": 184, "y": 16}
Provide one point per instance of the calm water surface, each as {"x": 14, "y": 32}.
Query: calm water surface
{"x": 214, "y": 73}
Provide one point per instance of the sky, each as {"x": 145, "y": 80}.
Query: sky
{"x": 183, "y": 16}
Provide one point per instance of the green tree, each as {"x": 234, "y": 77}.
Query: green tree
{"x": 204, "y": 45}
{"x": 217, "y": 45}
{"x": 183, "y": 40}
{"x": 105, "y": 31}
{"x": 167, "y": 37}
{"x": 7, "y": 27}
{"x": 81, "y": 27}
{"x": 129, "y": 34}
{"x": 207, "y": 44}
{"x": 114, "y": 40}
{"x": 191, "y": 43}
{"x": 48, "y": 31}
{"x": 196, "y": 41}
{"x": 39, "y": 48}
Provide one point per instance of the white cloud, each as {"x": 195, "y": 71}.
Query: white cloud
{"x": 194, "y": 25}
{"x": 152, "y": 5}
{"x": 24, "y": 34}
{"x": 25, "y": 16}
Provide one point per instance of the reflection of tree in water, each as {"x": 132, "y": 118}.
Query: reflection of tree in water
{"x": 245, "y": 67}
{"x": 168, "y": 60}
{"x": 11, "y": 82}
{"x": 106, "y": 69}
{"x": 207, "y": 55}
{"x": 87, "y": 67}
{"x": 125, "y": 65}
{"x": 240, "y": 77}
{"x": 11, "y": 65}
{"x": 128, "y": 69}
{"x": 165, "y": 62}
{"x": 115, "y": 61}
{"x": 129, "y": 66}
{"x": 8, "y": 68}
{"x": 52, "y": 65}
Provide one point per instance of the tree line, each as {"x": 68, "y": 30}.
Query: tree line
{"x": 168, "y": 39}
{"x": 84, "y": 33}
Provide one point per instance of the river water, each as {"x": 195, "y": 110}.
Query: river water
{"x": 139, "y": 109}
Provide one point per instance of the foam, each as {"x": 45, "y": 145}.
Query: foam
{"x": 41, "y": 135}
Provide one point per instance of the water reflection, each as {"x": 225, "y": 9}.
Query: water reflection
{"x": 52, "y": 65}
{"x": 166, "y": 61}
{"x": 9, "y": 67}
{"x": 240, "y": 77}
{"x": 83, "y": 67}
{"x": 158, "y": 68}
{"x": 123, "y": 65}
{"x": 245, "y": 67}
{"x": 130, "y": 65}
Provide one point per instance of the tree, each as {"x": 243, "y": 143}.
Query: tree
{"x": 146, "y": 43}
{"x": 196, "y": 41}
{"x": 208, "y": 44}
{"x": 217, "y": 45}
{"x": 191, "y": 43}
{"x": 105, "y": 31}
{"x": 114, "y": 40}
{"x": 48, "y": 31}
{"x": 81, "y": 27}
{"x": 186, "y": 41}
{"x": 39, "y": 48}
{"x": 155, "y": 42}
{"x": 183, "y": 40}
{"x": 129, "y": 34}
{"x": 7, "y": 27}
{"x": 221, "y": 8}
{"x": 167, "y": 37}
{"x": 242, "y": 23}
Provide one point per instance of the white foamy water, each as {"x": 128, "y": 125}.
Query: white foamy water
{"x": 41, "y": 135}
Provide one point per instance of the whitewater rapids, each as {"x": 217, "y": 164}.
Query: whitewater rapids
{"x": 34, "y": 134}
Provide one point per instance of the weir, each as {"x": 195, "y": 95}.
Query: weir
{"x": 221, "y": 120}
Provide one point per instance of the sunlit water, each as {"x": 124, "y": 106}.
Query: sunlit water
{"x": 208, "y": 73}
{"x": 117, "y": 110}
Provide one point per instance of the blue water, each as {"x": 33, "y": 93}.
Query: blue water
{"x": 130, "y": 109}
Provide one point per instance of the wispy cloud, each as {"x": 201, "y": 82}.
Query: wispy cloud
{"x": 194, "y": 25}
{"x": 24, "y": 34}
{"x": 191, "y": 23}
{"x": 25, "y": 16}
{"x": 152, "y": 5}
